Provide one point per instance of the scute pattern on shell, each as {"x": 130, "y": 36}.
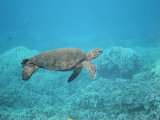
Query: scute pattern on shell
{"x": 59, "y": 59}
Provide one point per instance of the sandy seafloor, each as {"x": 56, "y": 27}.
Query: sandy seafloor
{"x": 127, "y": 87}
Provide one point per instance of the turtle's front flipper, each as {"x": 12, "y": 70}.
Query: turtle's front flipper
{"x": 91, "y": 67}
{"x": 75, "y": 73}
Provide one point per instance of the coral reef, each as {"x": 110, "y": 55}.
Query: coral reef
{"x": 120, "y": 62}
{"x": 48, "y": 96}
{"x": 156, "y": 69}
{"x": 117, "y": 99}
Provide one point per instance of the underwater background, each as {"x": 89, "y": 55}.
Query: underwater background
{"x": 127, "y": 85}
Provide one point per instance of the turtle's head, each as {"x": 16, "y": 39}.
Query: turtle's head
{"x": 94, "y": 54}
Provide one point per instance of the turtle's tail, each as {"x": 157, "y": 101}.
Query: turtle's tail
{"x": 28, "y": 69}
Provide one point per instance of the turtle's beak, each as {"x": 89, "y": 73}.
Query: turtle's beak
{"x": 100, "y": 50}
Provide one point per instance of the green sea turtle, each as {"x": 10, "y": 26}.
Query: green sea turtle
{"x": 64, "y": 59}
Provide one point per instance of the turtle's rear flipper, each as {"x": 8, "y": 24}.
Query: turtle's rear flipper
{"x": 75, "y": 73}
{"x": 91, "y": 67}
{"x": 28, "y": 69}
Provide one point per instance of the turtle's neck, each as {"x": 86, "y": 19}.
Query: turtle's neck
{"x": 88, "y": 56}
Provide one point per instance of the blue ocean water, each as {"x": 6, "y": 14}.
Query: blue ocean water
{"x": 127, "y": 83}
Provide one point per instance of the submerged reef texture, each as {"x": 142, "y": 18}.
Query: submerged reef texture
{"x": 124, "y": 89}
{"x": 156, "y": 68}
{"x": 118, "y": 62}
